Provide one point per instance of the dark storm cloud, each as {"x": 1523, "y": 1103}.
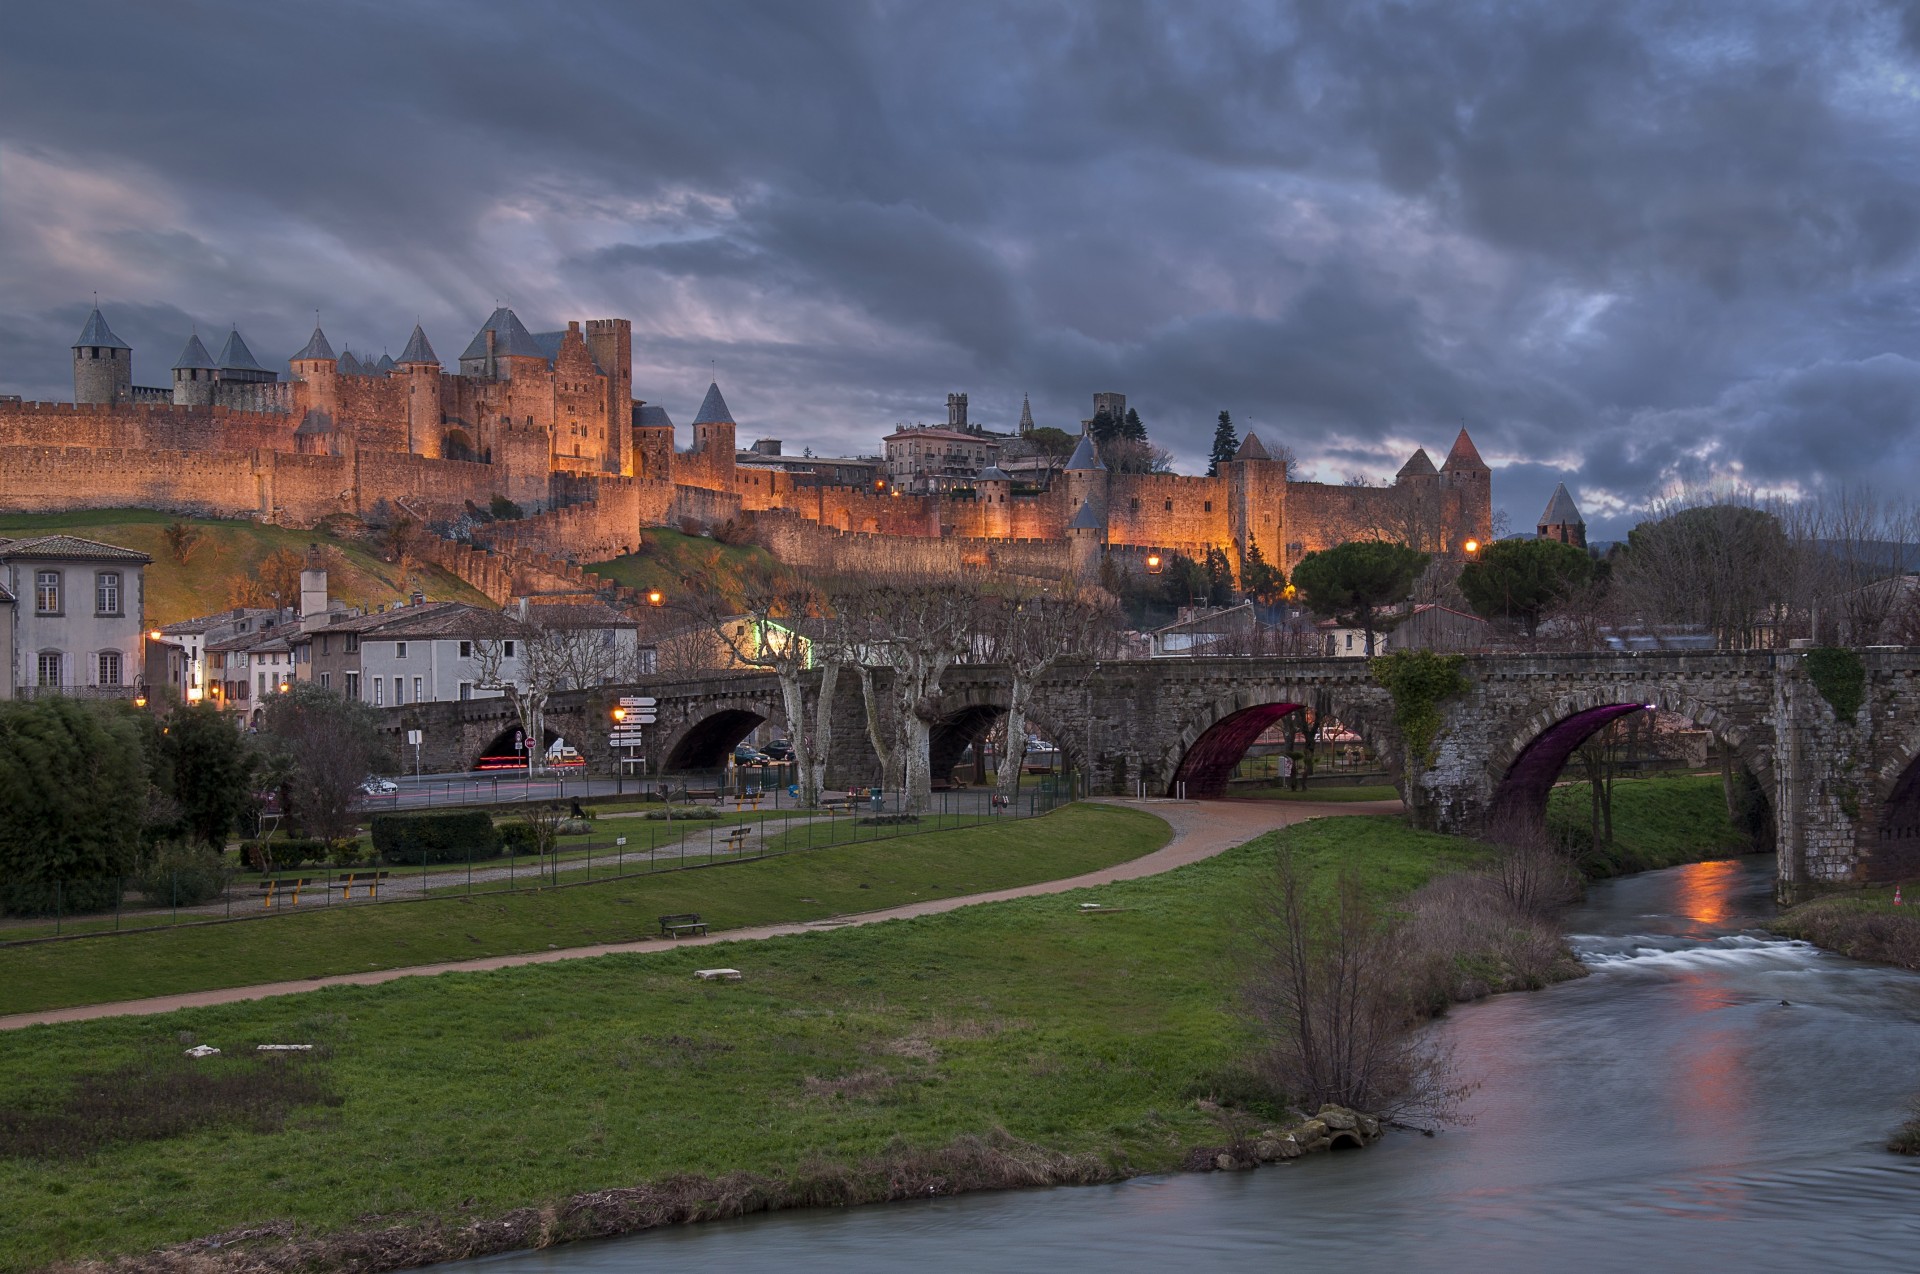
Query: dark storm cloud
{"x": 1626, "y": 244}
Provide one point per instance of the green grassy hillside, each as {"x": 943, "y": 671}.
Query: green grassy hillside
{"x": 668, "y": 557}
{"x": 232, "y": 549}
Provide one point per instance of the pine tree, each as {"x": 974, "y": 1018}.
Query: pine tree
{"x": 1225, "y": 444}
{"x": 1131, "y": 428}
{"x": 1104, "y": 428}
{"x": 1263, "y": 582}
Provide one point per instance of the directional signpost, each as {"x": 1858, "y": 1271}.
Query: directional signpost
{"x": 629, "y": 717}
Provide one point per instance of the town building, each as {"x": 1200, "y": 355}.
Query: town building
{"x": 75, "y": 619}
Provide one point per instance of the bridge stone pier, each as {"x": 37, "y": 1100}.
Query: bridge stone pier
{"x": 1844, "y": 795}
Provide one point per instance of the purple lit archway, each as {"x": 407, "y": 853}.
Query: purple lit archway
{"x": 1209, "y": 763}
{"x": 1520, "y": 802}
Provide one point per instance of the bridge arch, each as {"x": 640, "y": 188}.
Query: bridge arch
{"x": 1212, "y": 742}
{"x": 501, "y": 754}
{"x": 1524, "y": 769}
{"x": 969, "y": 713}
{"x": 1893, "y": 843}
{"x": 709, "y": 735}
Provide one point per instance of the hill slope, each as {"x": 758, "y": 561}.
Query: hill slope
{"x": 234, "y": 550}
{"x": 668, "y": 557}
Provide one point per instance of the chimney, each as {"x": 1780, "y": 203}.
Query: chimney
{"x": 419, "y": 598}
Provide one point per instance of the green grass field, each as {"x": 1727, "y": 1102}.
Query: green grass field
{"x": 666, "y": 558}
{"x": 1657, "y": 822}
{"x": 458, "y": 1098}
{"x": 231, "y": 549}
{"x": 795, "y": 887}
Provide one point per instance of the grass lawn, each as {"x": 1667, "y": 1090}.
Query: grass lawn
{"x": 1657, "y": 822}
{"x": 796, "y": 887}
{"x": 666, "y": 558}
{"x": 462, "y": 1097}
{"x": 230, "y": 549}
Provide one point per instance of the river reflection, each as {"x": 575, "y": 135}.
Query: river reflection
{"x": 1669, "y": 1112}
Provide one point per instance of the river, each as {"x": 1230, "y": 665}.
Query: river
{"x": 1668, "y": 1112}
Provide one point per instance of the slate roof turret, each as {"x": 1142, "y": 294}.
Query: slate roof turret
{"x": 97, "y": 335}
{"x": 1251, "y": 448}
{"x": 316, "y": 347}
{"x": 1418, "y": 465}
{"x": 994, "y": 473}
{"x": 236, "y": 357}
{"x": 195, "y": 357}
{"x": 713, "y": 408}
{"x": 1561, "y": 510}
{"x": 349, "y": 365}
{"x": 1085, "y": 519}
{"x": 1464, "y": 457}
{"x": 418, "y": 350}
{"x": 652, "y": 416}
{"x": 385, "y": 364}
{"x": 1085, "y": 456}
{"x": 511, "y": 339}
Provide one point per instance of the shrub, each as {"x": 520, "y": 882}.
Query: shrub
{"x": 75, "y": 780}
{"x": 435, "y": 836}
{"x": 517, "y": 838}
{"x": 690, "y": 812}
{"x": 345, "y": 853}
{"x": 182, "y": 876}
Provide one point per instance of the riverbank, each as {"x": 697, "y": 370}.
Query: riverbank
{"x": 1016, "y": 1043}
{"x": 1861, "y": 925}
{"x": 1661, "y": 821}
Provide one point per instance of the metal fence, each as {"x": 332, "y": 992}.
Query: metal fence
{"x": 614, "y": 846}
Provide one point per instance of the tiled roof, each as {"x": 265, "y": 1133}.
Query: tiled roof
{"x": 71, "y": 548}
{"x": 511, "y": 338}
{"x": 316, "y": 346}
{"x": 1418, "y": 465}
{"x": 418, "y": 350}
{"x": 195, "y": 357}
{"x": 1251, "y": 448}
{"x": 97, "y": 334}
{"x": 235, "y": 356}
{"x": 1464, "y": 457}
{"x": 1561, "y": 510}
{"x": 713, "y": 408}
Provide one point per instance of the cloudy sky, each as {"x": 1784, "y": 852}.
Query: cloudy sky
{"x": 1625, "y": 244}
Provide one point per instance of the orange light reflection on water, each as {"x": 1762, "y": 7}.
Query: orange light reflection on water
{"x": 1704, "y": 891}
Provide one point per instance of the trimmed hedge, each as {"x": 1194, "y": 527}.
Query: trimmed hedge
{"x": 516, "y": 838}
{"x": 435, "y": 836}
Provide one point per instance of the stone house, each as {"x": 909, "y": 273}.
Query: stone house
{"x": 77, "y": 619}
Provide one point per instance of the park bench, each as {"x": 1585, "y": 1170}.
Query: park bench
{"x": 834, "y": 802}
{"x": 368, "y": 879}
{"x": 701, "y": 793}
{"x": 280, "y": 884}
{"x": 737, "y": 838}
{"x": 684, "y": 923}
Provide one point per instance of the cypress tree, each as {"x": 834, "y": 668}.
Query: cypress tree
{"x": 1225, "y": 444}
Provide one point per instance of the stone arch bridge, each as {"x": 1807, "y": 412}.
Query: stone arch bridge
{"x": 1845, "y": 795}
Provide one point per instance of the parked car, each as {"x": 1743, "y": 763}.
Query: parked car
{"x": 746, "y": 754}
{"x": 374, "y": 785}
{"x": 779, "y": 750}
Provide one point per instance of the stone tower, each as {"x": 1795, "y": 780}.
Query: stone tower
{"x": 1257, "y": 500}
{"x": 316, "y": 365}
{"x": 713, "y": 430}
{"x": 1087, "y": 542}
{"x": 419, "y": 367}
{"x": 1087, "y": 482}
{"x": 1561, "y": 520}
{"x": 194, "y": 373}
{"x": 992, "y": 490}
{"x": 957, "y": 413}
{"x": 1469, "y": 492}
{"x": 610, "y": 341}
{"x": 1026, "y": 416}
{"x": 102, "y": 364}
{"x": 237, "y": 363}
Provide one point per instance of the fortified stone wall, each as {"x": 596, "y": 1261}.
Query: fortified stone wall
{"x": 56, "y": 479}
{"x": 142, "y": 426}
{"x": 799, "y": 542}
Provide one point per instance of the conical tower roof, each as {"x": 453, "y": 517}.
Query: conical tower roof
{"x": 1251, "y": 448}
{"x": 195, "y": 357}
{"x": 236, "y": 357}
{"x": 316, "y": 347}
{"x": 96, "y": 334}
{"x": 713, "y": 408}
{"x": 1418, "y": 465}
{"x": 1561, "y": 510}
{"x": 1085, "y": 519}
{"x": 993, "y": 473}
{"x": 418, "y": 350}
{"x": 1026, "y": 413}
{"x": 1464, "y": 457}
{"x": 1085, "y": 455}
{"x": 511, "y": 339}
{"x": 349, "y": 364}
{"x": 385, "y": 364}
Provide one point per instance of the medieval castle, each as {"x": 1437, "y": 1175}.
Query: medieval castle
{"x": 549, "y": 421}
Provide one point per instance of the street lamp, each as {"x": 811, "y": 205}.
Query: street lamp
{"x": 655, "y": 597}
{"x": 1154, "y": 564}
{"x": 1472, "y": 547}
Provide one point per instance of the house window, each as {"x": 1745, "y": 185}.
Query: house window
{"x": 399, "y": 650}
{"x": 106, "y": 593}
{"x": 466, "y": 650}
{"x": 416, "y": 690}
{"x": 466, "y": 690}
{"x": 379, "y": 692}
{"x": 46, "y": 594}
{"x": 352, "y": 683}
{"x": 399, "y": 691}
{"x": 264, "y": 691}
{"x": 326, "y": 681}
{"x": 49, "y": 668}
{"x": 323, "y": 643}
{"x": 1349, "y": 641}
{"x": 107, "y": 664}
{"x": 506, "y": 649}
{"x": 353, "y": 643}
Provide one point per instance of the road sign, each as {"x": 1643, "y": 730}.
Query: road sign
{"x": 638, "y": 701}
{"x": 639, "y": 718}
{"x": 625, "y": 739}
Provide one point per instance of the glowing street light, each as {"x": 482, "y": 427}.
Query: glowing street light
{"x": 1154, "y": 564}
{"x": 1472, "y": 547}
{"x": 655, "y": 597}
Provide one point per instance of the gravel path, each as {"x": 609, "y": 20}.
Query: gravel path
{"x": 1200, "y": 830}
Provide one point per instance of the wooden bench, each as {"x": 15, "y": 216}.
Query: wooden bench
{"x": 701, "y": 793}
{"x": 737, "y": 837}
{"x": 684, "y": 923}
{"x": 834, "y": 802}
{"x": 370, "y": 880}
{"x": 269, "y": 886}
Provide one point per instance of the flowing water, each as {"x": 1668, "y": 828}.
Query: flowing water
{"x": 1711, "y": 1098}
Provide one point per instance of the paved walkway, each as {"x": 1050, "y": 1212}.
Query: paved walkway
{"x": 1200, "y": 830}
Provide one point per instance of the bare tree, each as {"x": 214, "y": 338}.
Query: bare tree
{"x": 1717, "y": 561}
{"x": 537, "y": 651}
{"x": 1031, "y": 631}
{"x": 543, "y": 822}
{"x": 1852, "y": 551}
{"x": 321, "y": 745}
